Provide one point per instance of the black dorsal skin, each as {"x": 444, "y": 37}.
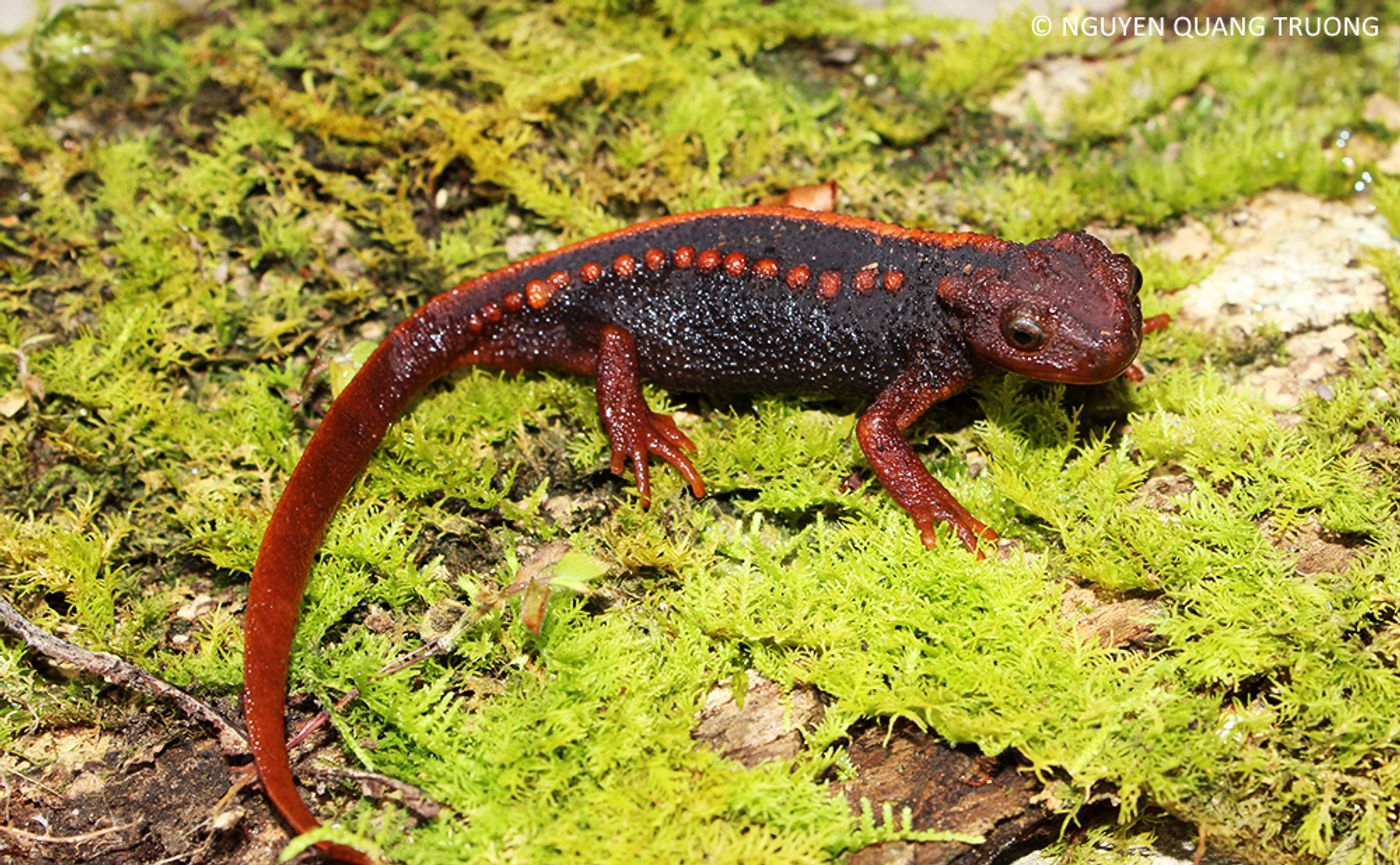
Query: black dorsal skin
{"x": 737, "y": 327}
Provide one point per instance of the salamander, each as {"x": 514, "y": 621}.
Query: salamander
{"x": 771, "y": 298}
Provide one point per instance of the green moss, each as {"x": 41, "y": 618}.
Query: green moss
{"x": 230, "y": 200}
{"x": 1145, "y": 84}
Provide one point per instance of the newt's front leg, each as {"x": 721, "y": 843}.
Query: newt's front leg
{"x": 899, "y": 469}
{"x": 635, "y": 432}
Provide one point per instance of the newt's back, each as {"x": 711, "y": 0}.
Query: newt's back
{"x": 769, "y": 299}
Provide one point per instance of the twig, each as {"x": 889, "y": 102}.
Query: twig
{"x": 321, "y": 718}
{"x": 28, "y": 780}
{"x": 115, "y": 671}
{"x": 66, "y": 839}
{"x": 487, "y": 601}
{"x": 377, "y": 785}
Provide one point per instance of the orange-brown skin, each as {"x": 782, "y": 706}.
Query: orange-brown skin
{"x": 769, "y": 298}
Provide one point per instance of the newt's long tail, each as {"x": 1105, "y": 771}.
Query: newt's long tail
{"x": 422, "y": 348}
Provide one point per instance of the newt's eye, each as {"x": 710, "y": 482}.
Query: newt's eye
{"x": 1137, "y": 281}
{"x": 1022, "y": 331}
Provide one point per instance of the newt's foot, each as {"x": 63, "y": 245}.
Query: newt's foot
{"x": 635, "y": 432}
{"x": 820, "y": 197}
{"x": 1134, "y": 371}
{"x": 637, "y": 435}
{"x": 968, "y": 528}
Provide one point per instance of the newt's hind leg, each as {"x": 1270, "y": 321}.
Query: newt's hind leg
{"x": 820, "y": 197}
{"x": 635, "y": 432}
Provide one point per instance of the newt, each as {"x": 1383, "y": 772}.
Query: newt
{"x": 772, "y": 298}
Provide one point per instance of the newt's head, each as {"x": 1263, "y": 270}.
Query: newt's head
{"x": 1062, "y": 309}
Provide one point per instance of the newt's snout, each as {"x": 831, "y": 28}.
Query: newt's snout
{"x": 1112, "y": 355}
